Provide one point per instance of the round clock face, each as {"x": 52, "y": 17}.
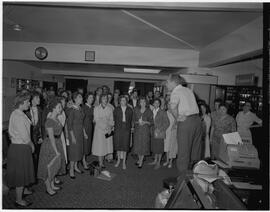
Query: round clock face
{"x": 41, "y": 53}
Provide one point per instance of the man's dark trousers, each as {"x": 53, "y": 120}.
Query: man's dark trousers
{"x": 190, "y": 142}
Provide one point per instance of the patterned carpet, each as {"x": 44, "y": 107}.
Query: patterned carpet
{"x": 131, "y": 188}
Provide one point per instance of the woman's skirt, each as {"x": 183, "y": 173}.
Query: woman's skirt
{"x": 121, "y": 139}
{"x": 20, "y": 167}
{"x": 46, "y": 157}
{"x": 157, "y": 145}
{"x": 60, "y": 148}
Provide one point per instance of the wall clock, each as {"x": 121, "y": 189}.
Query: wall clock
{"x": 41, "y": 53}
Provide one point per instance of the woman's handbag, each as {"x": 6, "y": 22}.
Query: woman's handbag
{"x": 94, "y": 168}
{"x": 107, "y": 135}
{"x": 159, "y": 134}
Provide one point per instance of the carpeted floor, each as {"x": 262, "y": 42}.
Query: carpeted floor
{"x": 131, "y": 188}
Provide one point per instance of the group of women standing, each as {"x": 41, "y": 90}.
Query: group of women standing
{"x": 66, "y": 136}
{"x": 72, "y": 128}
{"x": 114, "y": 125}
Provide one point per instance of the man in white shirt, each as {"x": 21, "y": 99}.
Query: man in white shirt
{"x": 185, "y": 110}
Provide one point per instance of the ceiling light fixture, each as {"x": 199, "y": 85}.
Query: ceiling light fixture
{"x": 17, "y": 27}
{"x": 140, "y": 70}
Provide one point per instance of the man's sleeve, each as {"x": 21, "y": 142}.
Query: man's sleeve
{"x": 174, "y": 100}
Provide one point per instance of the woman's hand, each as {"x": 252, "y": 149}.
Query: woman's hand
{"x": 84, "y": 134}
{"x": 32, "y": 147}
{"x": 141, "y": 122}
{"x": 57, "y": 153}
{"x": 73, "y": 141}
{"x": 40, "y": 140}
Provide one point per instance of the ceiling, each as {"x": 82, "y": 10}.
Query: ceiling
{"x": 157, "y": 28}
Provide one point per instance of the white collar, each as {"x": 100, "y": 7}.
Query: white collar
{"x": 88, "y": 105}
{"x": 246, "y": 113}
{"x": 76, "y": 107}
{"x": 178, "y": 86}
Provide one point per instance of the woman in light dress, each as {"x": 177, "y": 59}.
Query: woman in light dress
{"x": 245, "y": 120}
{"x": 103, "y": 119}
{"x": 170, "y": 142}
{"x": 205, "y": 115}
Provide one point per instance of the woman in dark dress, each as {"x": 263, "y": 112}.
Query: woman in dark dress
{"x": 20, "y": 167}
{"x": 76, "y": 134}
{"x": 143, "y": 120}
{"x": 50, "y": 155}
{"x": 122, "y": 127}
{"x": 158, "y": 132}
{"x": 88, "y": 110}
{"x": 224, "y": 124}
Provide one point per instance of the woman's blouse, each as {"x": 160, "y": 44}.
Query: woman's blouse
{"x": 19, "y": 127}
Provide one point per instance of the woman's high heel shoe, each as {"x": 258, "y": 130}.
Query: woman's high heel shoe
{"x": 22, "y": 204}
{"x": 72, "y": 176}
{"x": 166, "y": 163}
{"x": 140, "y": 166}
{"x": 51, "y": 194}
{"x": 79, "y": 171}
{"x": 86, "y": 168}
{"x": 57, "y": 188}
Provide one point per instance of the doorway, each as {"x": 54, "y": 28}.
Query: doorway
{"x": 123, "y": 86}
{"x": 144, "y": 87}
{"x": 50, "y": 86}
{"x": 74, "y": 84}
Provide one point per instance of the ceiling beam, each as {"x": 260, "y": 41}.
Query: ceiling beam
{"x": 157, "y": 28}
{"x": 157, "y": 5}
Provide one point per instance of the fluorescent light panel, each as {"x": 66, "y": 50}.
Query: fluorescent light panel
{"x": 141, "y": 70}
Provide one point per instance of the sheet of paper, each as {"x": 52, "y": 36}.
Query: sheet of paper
{"x": 232, "y": 138}
{"x": 242, "y": 185}
{"x": 221, "y": 164}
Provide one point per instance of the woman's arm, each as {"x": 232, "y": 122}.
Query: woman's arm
{"x": 70, "y": 125}
{"x": 165, "y": 121}
{"x": 52, "y": 139}
{"x": 149, "y": 119}
{"x": 212, "y": 132}
{"x": 257, "y": 119}
{"x": 111, "y": 119}
{"x": 22, "y": 129}
{"x": 208, "y": 124}
{"x": 233, "y": 125}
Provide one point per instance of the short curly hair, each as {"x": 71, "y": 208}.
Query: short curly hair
{"x": 53, "y": 103}
{"x": 20, "y": 98}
